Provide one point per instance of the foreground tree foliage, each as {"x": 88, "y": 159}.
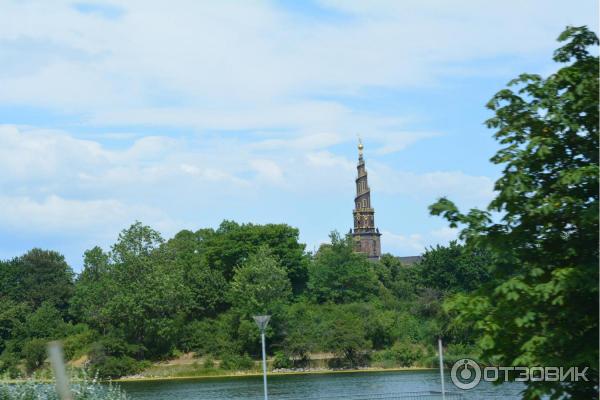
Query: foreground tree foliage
{"x": 455, "y": 268}
{"x": 541, "y": 309}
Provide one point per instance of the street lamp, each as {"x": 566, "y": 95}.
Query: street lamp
{"x": 262, "y": 321}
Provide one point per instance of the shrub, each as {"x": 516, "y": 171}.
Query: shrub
{"x": 457, "y": 351}
{"x": 211, "y": 336}
{"x": 34, "y": 353}
{"x": 345, "y": 337}
{"x": 234, "y": 362}
{"x": 408, "y": 327}
{"x": 208, "y": 362}
{"x": 402, "y": 353}
{"x": 383, "y": 359}
{"x": 116, "y": 346}
{"x": 406, "y": 353}
{"x": 9, "y": 365}
{"x": 14, "y": 372}
{"x": 115, "y": 367}
{"x": 79, "y": 341}
{"x": 282, "y": 361}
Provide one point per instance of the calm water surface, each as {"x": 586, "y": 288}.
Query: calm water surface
{"x": 332, "y": 386}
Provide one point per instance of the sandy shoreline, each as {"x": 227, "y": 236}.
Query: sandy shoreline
{"x": 258, "y": 374}
{"x": 239, "y": 374}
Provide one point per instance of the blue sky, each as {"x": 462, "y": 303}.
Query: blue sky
{"x": 181, "y": 114}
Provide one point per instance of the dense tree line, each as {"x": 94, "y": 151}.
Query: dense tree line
{"x": 147, "y": 299}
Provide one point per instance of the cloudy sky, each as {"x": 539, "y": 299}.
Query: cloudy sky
{"x": 183, "y": 113}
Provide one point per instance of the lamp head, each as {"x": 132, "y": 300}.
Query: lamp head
{"x": 262, "y": 321}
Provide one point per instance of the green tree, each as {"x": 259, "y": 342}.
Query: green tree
{"x": 302, "y": 331}
{"x": 136, "y": 292}
{"x": 39, "y": 276}
{"x": 542, "y": 308}
{"x": 94, "y": 287}
{"x": 45, "y": 322}
{"x": 111, "y": 357}
{"x": 207, "y": 285}
{"x": 136, "y": 243}
{"x": 12, "y": 319}
{"x": 454, "y": 268}
{"x": 34, "y": 353}
{"x": 260, "y": 285}
{"x": 401, "y": 280}
{"x": 151, "y": 301}
{"x": 407, "y": 354}
{"x": 340, "y": 275}
{"x": 232, "y": 243}
{"x": 344, "y": 335}
{"x": 10, "y": 281}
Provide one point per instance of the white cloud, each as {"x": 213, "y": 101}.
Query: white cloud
{"x": 216, "y": 60}
{"x": 445, "y": 234}
{"x": 392, "y": 142}
{"x": 468, "y": 190}
{"x": 48, "y": 169}
{"x": 267, "y": 170}
{"x": 326, "y": 159}
{"x": 69, "y": 217}
{"x": 411, "y": 244}
{"x": 416, "y": 243}
{"x": 33, "y": 153}
{"x": 305, "y": 142}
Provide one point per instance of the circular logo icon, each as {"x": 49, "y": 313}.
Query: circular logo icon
{"x": 465, "y": 374}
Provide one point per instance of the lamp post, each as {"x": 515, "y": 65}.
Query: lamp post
{"x": 262, "y": 321}
{"x": 441, "y": 353}
{"x": 57, "y": 361}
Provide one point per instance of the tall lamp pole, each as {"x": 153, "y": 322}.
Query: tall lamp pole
{"x": 262, "y": 322}
{"x": 441, "y": 353}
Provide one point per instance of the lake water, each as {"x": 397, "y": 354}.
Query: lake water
{"x": 368, "y": 385}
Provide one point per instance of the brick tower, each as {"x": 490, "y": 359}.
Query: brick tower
{"x": 366, "y": 236}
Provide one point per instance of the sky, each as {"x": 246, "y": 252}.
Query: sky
{"x": 182, "y": 114}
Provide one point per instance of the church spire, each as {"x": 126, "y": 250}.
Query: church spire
{"x": 366, "y": 236}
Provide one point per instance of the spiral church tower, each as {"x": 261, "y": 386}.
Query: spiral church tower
{"x": 366, "y": 236}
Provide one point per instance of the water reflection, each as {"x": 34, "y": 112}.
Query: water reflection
{"x": 334, "y": 386}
